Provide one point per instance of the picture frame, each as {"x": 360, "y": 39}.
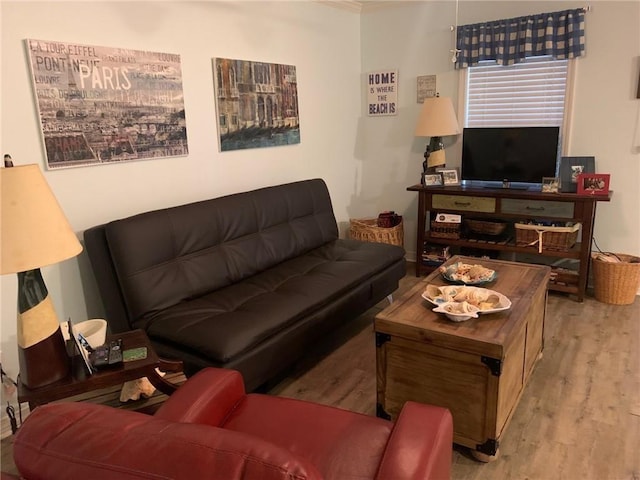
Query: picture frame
{"x": 432, "y": 180}
{"x": 450, "y": 176}
{"x": 593, "y": 183}
{"x": 92, "y": 106}
{"x": 570, "y": 168}
{"x": 266, "y": 91}
{"x": 550, "y": 184}
{"x": 78, "y": 346}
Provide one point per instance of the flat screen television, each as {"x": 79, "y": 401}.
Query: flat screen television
{"x": 516, "y": 157}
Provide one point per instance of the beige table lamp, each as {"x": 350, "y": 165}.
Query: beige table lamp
{"x": 35, "y": 233}
{"x": 437, "y": 119}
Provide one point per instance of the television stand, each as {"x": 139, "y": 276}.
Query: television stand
{"x": 512, "y": 206}
{"x": 509, "y": 187}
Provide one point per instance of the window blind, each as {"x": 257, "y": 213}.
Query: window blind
{"x": 531, "y": 93}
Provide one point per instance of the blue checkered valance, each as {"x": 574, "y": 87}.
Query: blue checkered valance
{"x": 560, "y": 34}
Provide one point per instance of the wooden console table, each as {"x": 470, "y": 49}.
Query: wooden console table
{"x": 512, "y": 206}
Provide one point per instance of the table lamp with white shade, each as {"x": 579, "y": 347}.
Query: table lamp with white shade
{"x": 437, "y": 119}
{"x": 35, "y": 233}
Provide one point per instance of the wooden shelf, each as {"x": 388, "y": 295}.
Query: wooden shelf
{"x": 506, "y": 246}
{"x": 512, "y": 206}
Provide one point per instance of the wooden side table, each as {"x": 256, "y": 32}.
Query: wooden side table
{"x": 80, "y": 381}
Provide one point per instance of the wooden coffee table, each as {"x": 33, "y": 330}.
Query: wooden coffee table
{"x": 79, "y": 381}
{"x": 478, "y": 368}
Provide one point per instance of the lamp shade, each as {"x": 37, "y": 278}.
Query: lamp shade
{"x": 34, "y": 231}
{"x": 437, "y": 118}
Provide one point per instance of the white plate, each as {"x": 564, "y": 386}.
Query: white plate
{"x": 457, "y": 317}
{"x": 503, "y": 304}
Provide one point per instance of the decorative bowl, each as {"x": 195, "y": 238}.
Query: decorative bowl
{"x": 94, "y": 330}
{"x": 452, "y": 274}
{"x": 458, "y": 311}
{"x": 439, "y": 295}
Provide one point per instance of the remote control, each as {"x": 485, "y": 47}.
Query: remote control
{"x": 107, "y": 355}
{"x": 115, "y": 352}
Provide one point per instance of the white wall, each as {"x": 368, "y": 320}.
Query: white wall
{"x": 367, "y": 162}
{"x": 415, "y": 38}
{"x": 323, "y": 43}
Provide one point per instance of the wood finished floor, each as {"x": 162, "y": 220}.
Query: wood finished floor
{"x": 579, "y": 417}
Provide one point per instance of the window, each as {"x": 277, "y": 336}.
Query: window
{"x": 531, "y": 93}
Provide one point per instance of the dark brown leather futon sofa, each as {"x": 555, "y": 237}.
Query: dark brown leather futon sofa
{"x": 248, "y": 281}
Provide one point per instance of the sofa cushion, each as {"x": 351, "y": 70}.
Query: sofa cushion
{"x": 232, "y": 320}
{"x": 75, "y": 437}
{"x": 168, "y": 256}
{"x": 341, "y": 444}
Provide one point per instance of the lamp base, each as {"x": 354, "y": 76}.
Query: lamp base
{"x": 42, "y": 353}
{"x": 45, "y": 362}
{"x": 434, "y": 157}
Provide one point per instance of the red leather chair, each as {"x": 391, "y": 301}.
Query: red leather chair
{"x": 211, "y": 429}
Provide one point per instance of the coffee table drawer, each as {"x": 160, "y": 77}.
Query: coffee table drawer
{"x": 464, "y": 203}
{"x": 538, "y": 208}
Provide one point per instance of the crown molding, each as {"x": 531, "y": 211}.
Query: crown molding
{"x": 349, "y": 5}
{"x": 373, "y": 5}
{"x": 359, "y": 6}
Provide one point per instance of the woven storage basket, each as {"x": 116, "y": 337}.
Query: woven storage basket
{"x": 485, "y": 227}
{"x": 367, "y": 230}
{"x": 618, "y": 282}
{"x": 549, "y": 238}
{"x": 444, "y": 230}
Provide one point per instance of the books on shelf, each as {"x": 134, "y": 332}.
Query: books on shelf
{"x": 434, "y": 255}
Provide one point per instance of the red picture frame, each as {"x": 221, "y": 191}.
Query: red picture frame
{"x": 593, "y": 183}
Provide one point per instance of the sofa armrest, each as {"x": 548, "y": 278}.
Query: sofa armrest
{"x": 83, "y": 440}
{"x": 420, "y": 445}
{"x": 207, "y": 397}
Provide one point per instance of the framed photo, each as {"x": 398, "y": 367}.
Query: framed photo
{"x": 83, "y": 352}
{"x": 593, "y": 183}
{"x": 550, "y": 184}
{"x": 450, "y": 176}
{"x": 570, "y": 168}
{"x": 432, "y": 180}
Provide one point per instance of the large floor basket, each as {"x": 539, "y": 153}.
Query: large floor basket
{"x": 367, "y": 230}
{"x": 617, "y": 281}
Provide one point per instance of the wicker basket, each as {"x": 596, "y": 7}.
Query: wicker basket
{"x": 485, "y": 227}
{"x": 549, "y": 238}
{"x": 367, "y": 230}
{"x": 444, "y": 230}
{"x": 616, "y": 282}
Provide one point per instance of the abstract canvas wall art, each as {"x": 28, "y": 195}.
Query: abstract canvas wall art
{"x": 257, "y": 104}
{"x": 102, "y": 105}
